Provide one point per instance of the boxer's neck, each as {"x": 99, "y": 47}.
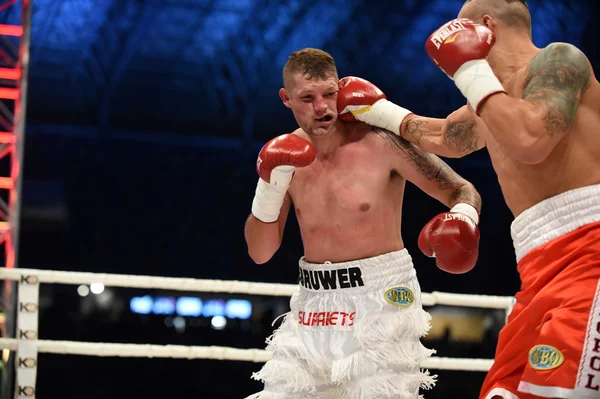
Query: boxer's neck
{"x": 327, "y": 145}
{"x": 513, "y": 50}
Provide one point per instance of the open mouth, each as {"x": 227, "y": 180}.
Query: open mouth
{"x": 326, "y": 118}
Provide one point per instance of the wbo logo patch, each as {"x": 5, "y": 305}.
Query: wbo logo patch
{"x": 545, "y": 357}
{"x": 399, "y": 296}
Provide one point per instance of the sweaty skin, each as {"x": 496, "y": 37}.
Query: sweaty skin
{"x": 349, "y": 204}
{"x": 558, "y": 89}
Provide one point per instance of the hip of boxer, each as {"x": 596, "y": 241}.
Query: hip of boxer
{"x": 356, "y": 326}
{"x": 550, "y": 346}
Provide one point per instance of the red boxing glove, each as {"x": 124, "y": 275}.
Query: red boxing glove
{"x": 360, "y": 100}
{"x": 453, "y": 239}
{"x": 285, "y": 152}
{"x": 458, "y": 42}
{"x": 356, "y": 96}
{"x": 276, "y": 164}
{"x": 459, "y": 48}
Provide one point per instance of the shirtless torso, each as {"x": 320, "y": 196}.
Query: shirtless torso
{"x": 573, "y": 162}
{"x": 349, "y": 205}
{"x": 347, "y": 185}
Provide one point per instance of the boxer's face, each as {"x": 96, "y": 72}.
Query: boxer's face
{"x": 313, "y": 102}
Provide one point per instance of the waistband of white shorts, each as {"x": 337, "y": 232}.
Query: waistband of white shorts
{"x": 554, "y": 217}
{"x": 362, "y": 274}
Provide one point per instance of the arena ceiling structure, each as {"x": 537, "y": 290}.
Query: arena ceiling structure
{"x": 154, "y": 100}
{"x": 213, "y": 68}
{"x": 143, "y": 119}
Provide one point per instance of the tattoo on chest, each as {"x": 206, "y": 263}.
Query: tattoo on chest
{"x": 556, "y": 77}
{"x": 427, "y": 165}
{"x": 461, "y": 136}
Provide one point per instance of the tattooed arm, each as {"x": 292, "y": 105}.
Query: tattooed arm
{"x": 454, "y": 137}
{"x": 530, "y": 127}
{"x": 428, "y": 172}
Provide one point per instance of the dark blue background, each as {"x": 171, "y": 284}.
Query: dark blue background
{"x": 144, "y": 119}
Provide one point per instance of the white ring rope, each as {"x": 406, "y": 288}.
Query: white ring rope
{"x": 237, "y": 287}
{"x": 33, "y": 277}
{"x": 205, "y": 352}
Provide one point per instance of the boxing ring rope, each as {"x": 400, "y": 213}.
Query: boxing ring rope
{"x": 28, "y": 345}
{"x": 104, "y": 349}
{"x": 229, "y": 286}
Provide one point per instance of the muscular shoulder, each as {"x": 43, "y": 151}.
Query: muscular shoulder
{"x": 565, "y": 51}
{"x": 556, "y": 79}
{"x": 559, "y": 64}
{"x": 403, "y": 153}
{"x": 384, "y": 140}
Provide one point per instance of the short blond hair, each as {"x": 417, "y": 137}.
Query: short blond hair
{"x": 514, "y": 13}
{"x": 310, "y": 62}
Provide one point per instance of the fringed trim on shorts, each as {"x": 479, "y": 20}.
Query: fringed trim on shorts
{"x": 404, "y": 357}
{"x": 286, "y": 342}
{"x": 405, "y": 324}
{"x": 288, "y": 376}
{"x": 268, "y": 395}
{"x": 287, "y": 369}
{"x": 390, "y": 385}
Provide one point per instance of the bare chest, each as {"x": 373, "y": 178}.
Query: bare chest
{"x": 352, "y": 185}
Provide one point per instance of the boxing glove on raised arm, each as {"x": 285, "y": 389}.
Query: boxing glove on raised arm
{"x": 276, "y": 164}
{"x": 360, "y": 100}
{"x": 459, "y": 48}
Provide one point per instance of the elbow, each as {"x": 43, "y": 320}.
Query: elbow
{"x": 260, "y": 256}
{"x": 531, "y": 151}
{"x": 453, "y": 154}
{"x": 528, "y": 157}
{"x": 467, "y": 193}
{"x": 534, "y": 145}
{"x": 259, "y": 259}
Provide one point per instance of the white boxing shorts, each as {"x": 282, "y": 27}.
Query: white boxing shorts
{"x": 353, "y": 332}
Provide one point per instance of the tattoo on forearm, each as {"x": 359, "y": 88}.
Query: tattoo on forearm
{"x": 467, "y": 194}
{"x": 556, "y": 78}
{"x": 428, "y": 165}
{"x": 461, "y": 136}
{"x": 412, "y": 130}
{"x": 433, "y": 168}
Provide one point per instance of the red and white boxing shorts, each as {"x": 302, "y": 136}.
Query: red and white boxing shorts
{"x": 550, "y": 346}
{"x": 353, "y": 331}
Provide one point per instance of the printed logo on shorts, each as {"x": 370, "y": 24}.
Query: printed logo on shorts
{"x": 350, "y": 277}
{"x": 545, "y": 357}
{"x": 326, "y": 319}
{"x": 399, "y": 296}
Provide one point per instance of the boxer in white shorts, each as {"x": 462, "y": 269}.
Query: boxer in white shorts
{"x": 355, "y": 324}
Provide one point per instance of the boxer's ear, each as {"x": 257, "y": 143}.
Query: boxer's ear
{"x": 285, "y": 97}
{"x": 488, "y": 21}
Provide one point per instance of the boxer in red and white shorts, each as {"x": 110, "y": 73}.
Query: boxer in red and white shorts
{"x": 537, "y": 112}
{"x": 550, "y": 347}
